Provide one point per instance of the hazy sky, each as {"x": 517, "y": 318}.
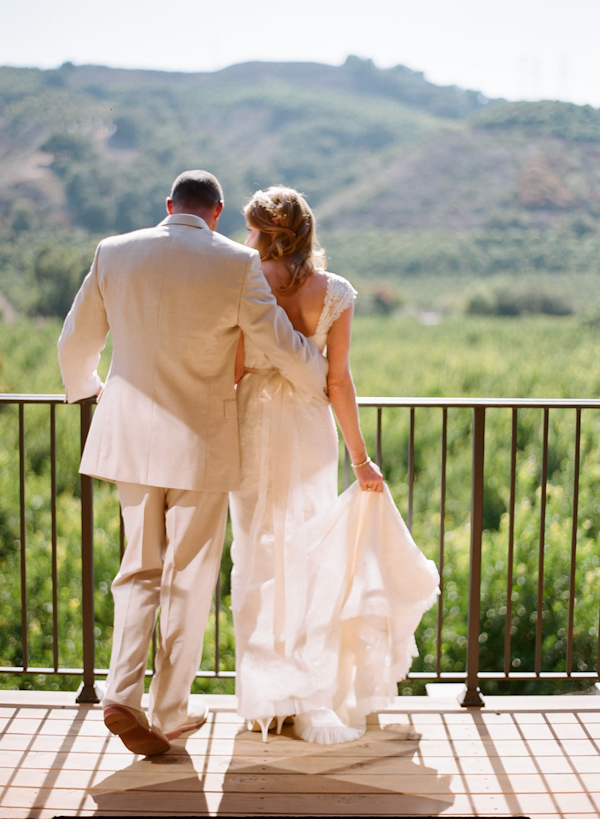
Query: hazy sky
{"x": 518, "y": 49}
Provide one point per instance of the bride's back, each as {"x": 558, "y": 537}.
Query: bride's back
{"x": 303, "y": 304}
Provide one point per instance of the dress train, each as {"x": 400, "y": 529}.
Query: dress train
{"x": 324, "y": 727}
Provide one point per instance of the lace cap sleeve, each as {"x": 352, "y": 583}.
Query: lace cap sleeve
{"x": 340, "y": 295}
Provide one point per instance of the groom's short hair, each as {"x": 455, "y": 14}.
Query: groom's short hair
{"x": 197, "y": 190}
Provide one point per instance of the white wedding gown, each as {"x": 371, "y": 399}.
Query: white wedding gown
{"x": 327, "y": 591}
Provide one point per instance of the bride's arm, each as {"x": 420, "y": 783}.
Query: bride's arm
{"x": 239, "y": 359}
{"x": 342, "y": 395}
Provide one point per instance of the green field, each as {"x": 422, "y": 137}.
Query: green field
{"x": 397, "y": 355}
{"x": 402, "y": 355}
{"x": 538, "y": 356}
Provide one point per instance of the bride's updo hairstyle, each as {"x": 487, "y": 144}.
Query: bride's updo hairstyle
{"x": 286, "y": 232}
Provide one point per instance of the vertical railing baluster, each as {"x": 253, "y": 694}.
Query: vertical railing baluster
{"x": 598, "y": 648}
{"x": 87, "y": 693}
{"x": 511, "y": 541}
{"x": 154, "y": 647}
{"x": 542, "y": 546}
{"x": 54, "y": 538}
{"x": 217, "y": 625}
{"x": 411, "y": 468}
{"x": 346, "y": 468}
{"x": 472, "y": 696}
{"x": 378, "y": 454}
{"x": 23, "y": 537}
{"x": 576, "y": 467}
{"x": 440, "y": 610}
{"x": 121, "y": 534}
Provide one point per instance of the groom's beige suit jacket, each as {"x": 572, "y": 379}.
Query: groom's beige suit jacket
{"x": 175, "y": 298}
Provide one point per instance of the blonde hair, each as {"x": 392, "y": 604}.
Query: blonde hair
{"x": 286, "y": 232}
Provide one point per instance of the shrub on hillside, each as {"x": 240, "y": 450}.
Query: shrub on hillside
{"x": 505, "y": 300}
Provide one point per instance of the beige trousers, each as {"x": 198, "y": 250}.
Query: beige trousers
{"x": 174, "y": 545}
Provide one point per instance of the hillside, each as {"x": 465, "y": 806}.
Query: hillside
{"x": 407, "y": 178}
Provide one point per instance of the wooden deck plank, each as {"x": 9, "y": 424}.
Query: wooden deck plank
{"x": 275, "y": 782}
{"x": 198, "y": 801}
{"x": 226, "y": 703}
{"x": 419, "y": 781}
{"x": 417, "y": 784}
{"x": 228, "y": 804}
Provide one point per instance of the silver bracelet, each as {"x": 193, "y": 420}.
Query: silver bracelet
{"x": 364, "y": 463}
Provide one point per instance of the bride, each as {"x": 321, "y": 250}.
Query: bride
{"x": 327, "y": 591}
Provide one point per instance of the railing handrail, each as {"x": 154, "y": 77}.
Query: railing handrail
{"x": 380, "y": 401}
{"x": 31, "y": 398}
{"x": 519, "y": 403}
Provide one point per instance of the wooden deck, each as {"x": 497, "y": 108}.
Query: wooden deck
{"x": 518, "y": 756}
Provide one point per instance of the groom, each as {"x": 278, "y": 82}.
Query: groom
{"x": 175, "y": 298}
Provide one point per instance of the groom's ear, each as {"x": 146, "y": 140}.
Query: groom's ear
{"x": 169, "y": 206}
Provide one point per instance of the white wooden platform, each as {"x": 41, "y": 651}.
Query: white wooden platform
{"x": 518, "y": 756}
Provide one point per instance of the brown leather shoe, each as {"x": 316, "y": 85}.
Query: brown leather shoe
{"x": 133, "y": 729}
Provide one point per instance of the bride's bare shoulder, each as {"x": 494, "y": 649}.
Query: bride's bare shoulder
{"x": 317, "y": 281}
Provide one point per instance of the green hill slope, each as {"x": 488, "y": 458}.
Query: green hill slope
{"x": 407, "y": 178}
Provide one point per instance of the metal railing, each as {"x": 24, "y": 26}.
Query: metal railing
{"x": 468, "y": 512}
